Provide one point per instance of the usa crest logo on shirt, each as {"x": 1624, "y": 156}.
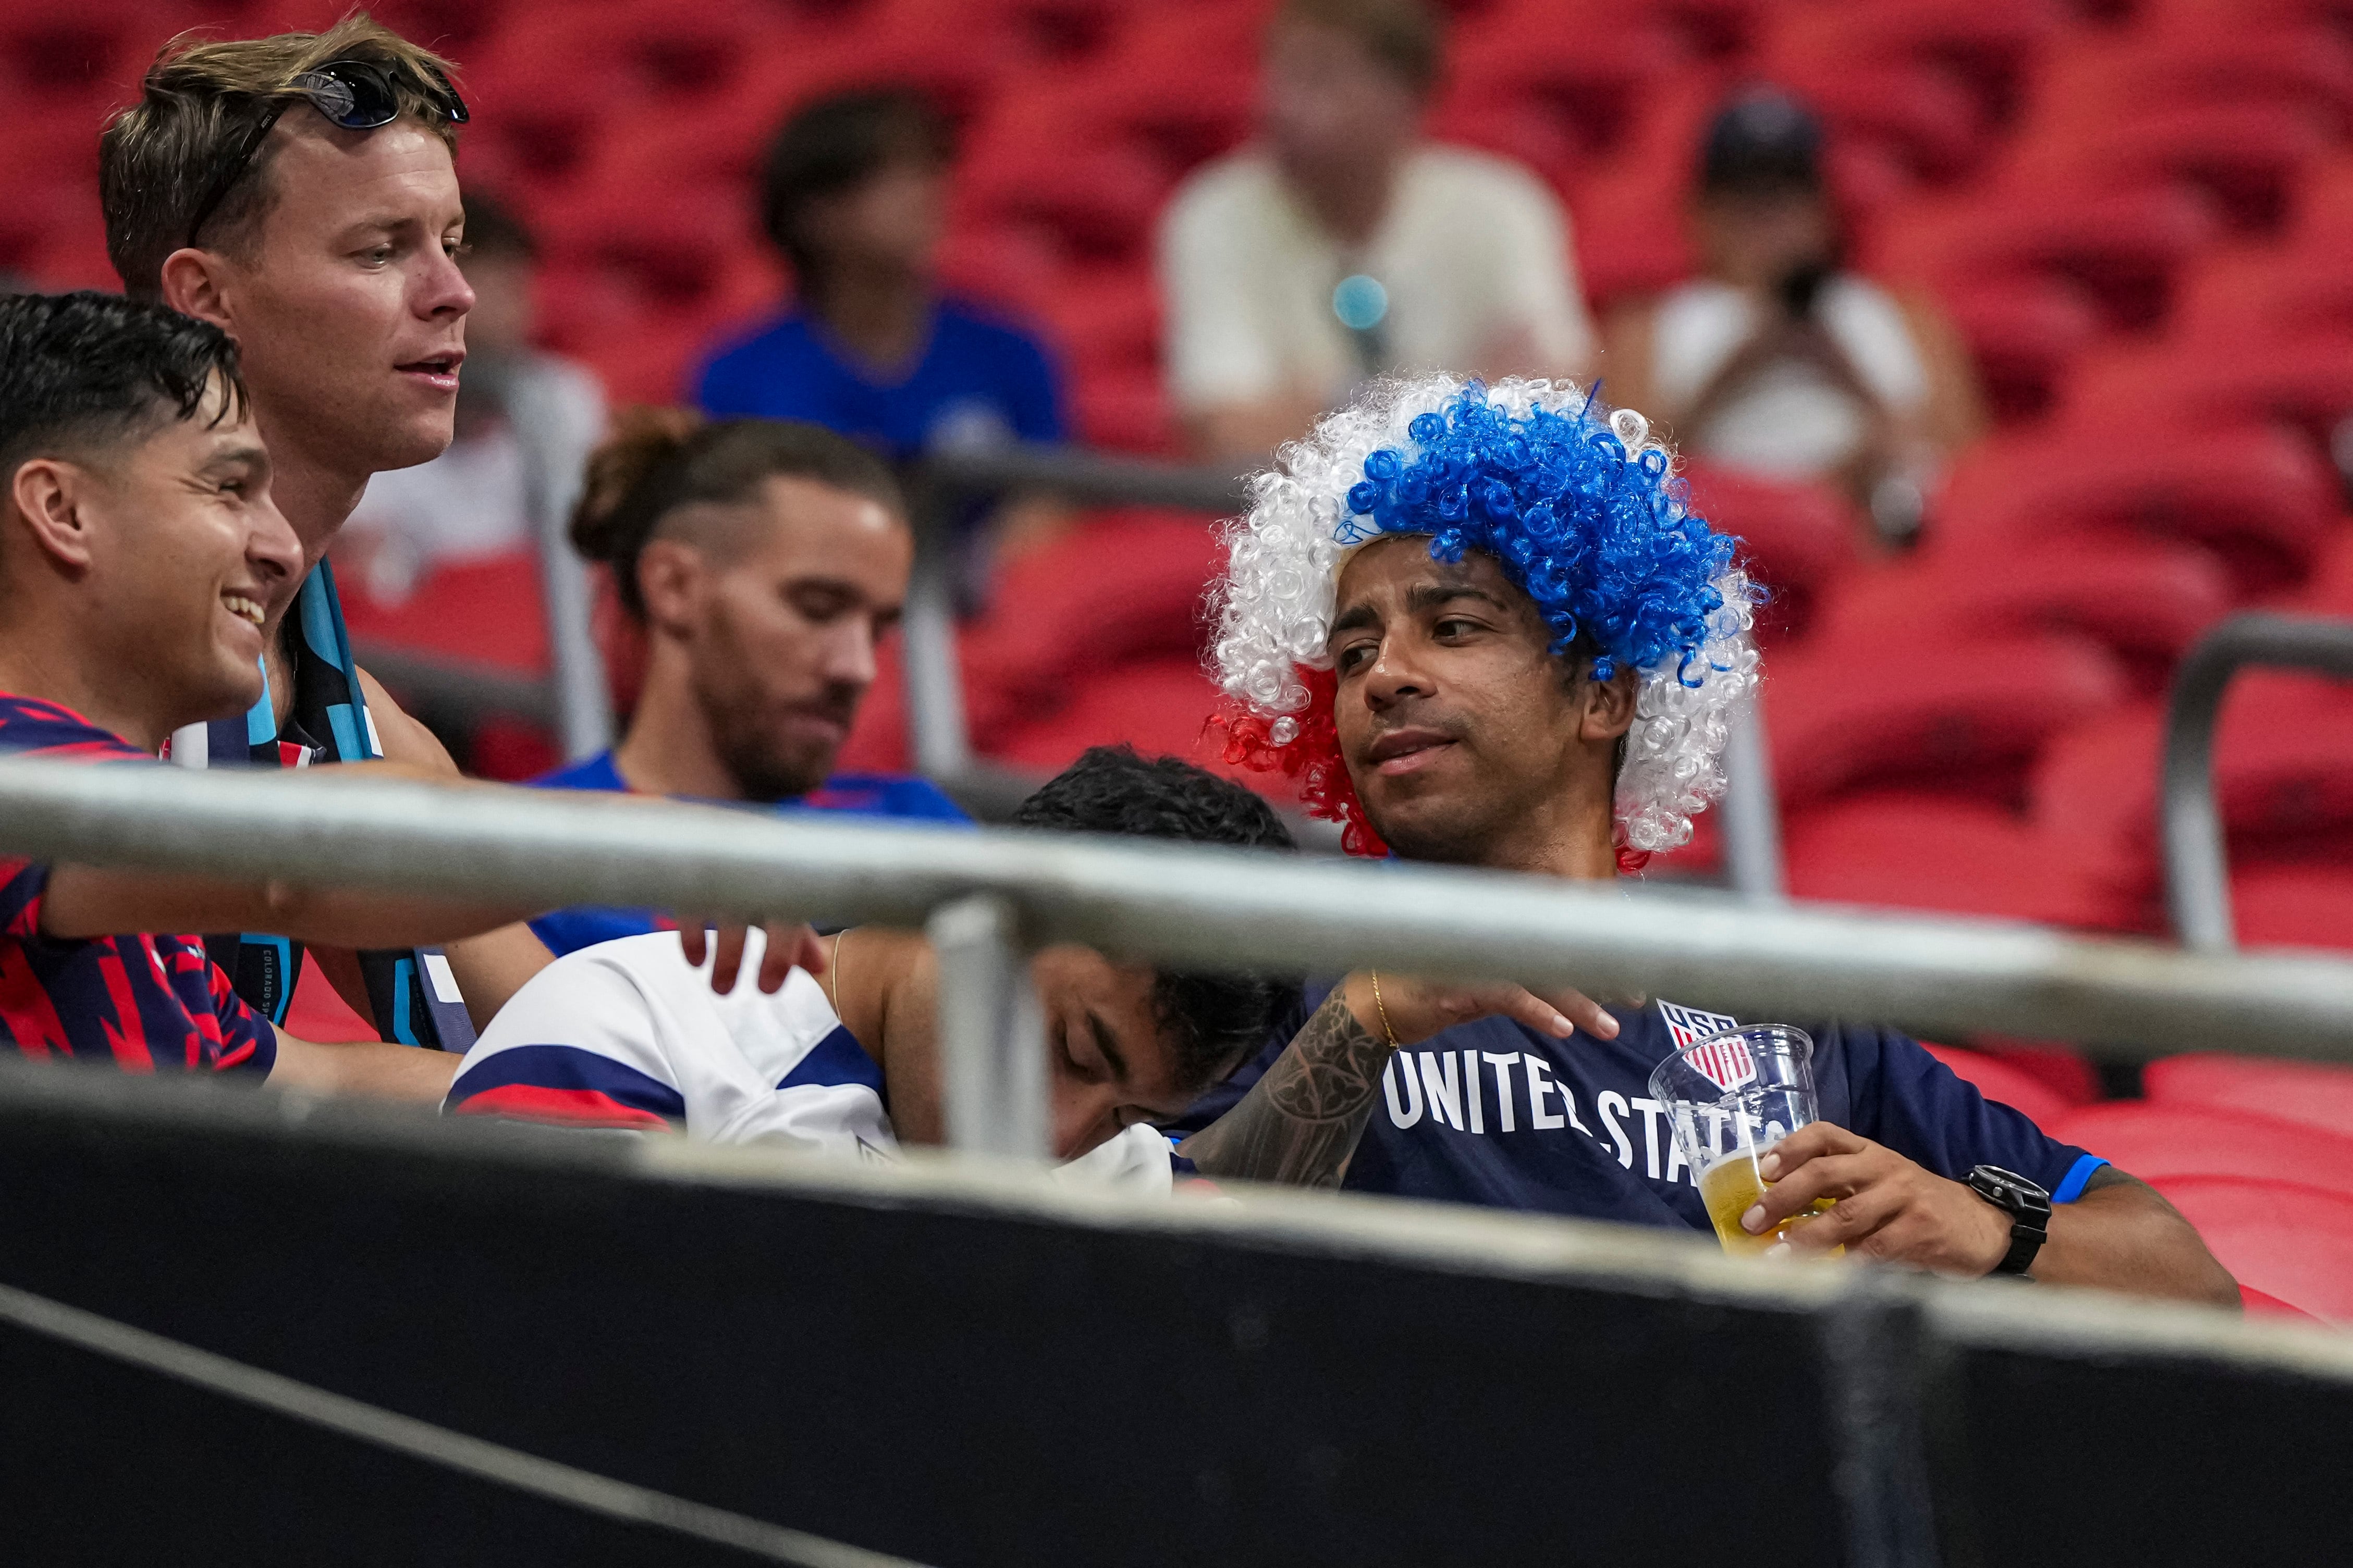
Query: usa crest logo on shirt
{"x": 1726, "y": 1063}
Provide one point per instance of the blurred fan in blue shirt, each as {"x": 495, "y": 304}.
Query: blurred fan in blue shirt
{"x": 855, "y": 196}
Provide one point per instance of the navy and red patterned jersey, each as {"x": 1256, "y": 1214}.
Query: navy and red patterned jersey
{"x": 147, "y": 1003}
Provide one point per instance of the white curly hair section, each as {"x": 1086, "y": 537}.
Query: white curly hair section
{"x": 1274, "y": 606}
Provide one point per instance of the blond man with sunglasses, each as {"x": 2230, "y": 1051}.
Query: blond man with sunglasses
{"x": 300, "y": 193}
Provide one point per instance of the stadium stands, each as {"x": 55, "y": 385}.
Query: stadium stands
{"x": 2136, "y": 212}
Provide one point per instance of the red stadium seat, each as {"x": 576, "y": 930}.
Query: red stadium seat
{"x": 2301, "y": 378}
{"x": 2290, "y": 1242}
{"x": 2160, "y": 1142}
{"x": 2296, "y": 906}
{"x": 1124, "y": 586}
{"x": 1997, "y": 1080}
{"x": 2256, "y": 495}
{"x": 2122, "y": 248}
{"x": 2255, "y": 1304}
{"x": 1796, "y": 536}
{"x": 2065, "y": 1073}
{"x": 2022, "y": 330}
{"x": 1591, "y": 78}
{"x": 2145, "y": 602}
{"x": 1125, "y": 410}
{"x": 482, "y": 612}
{"x": 2264, "y": 1085}
{"x": 2240, "y": 60}
{"x": 1984, "y": 43}
{"x": 1161, "y": 708}
{"x": 1107, "y": 321}
{"x": 1962, "y": 858}
{"x": 2284, "y": 773}
{"x": 2244, "y": 156}
{"x": 1918, "y": 113}
{"x": 1097, "y": 202}
{"x": 1958, "y": 719}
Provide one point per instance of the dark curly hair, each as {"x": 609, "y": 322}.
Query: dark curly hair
{"x": 1214, "y": 1020}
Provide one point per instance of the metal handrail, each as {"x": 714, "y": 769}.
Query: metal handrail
{"x": 1189, "y": 906}
{"x": 2197, "y": 858}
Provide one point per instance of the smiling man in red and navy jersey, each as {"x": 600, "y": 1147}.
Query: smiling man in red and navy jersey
{"x": 139, "y": 545}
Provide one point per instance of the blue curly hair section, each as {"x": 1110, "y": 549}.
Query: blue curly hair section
{"x": 1605, "y": 543}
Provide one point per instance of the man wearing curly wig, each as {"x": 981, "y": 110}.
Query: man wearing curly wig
{"x": 1482, "y": 626}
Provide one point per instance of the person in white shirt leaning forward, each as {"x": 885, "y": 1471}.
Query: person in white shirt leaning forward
{"x": 636, "y": 1034}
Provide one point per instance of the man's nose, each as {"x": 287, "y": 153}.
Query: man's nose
{"x": 850, "y": 655}
{"x": 1081, "y": 1121}
{"x": 273, "y": 549}
{"x": 443, "y": 291}
{"x": 1395, "y": 675}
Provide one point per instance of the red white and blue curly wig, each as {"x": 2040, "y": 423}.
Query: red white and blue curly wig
{"x": 1581, "y": 507}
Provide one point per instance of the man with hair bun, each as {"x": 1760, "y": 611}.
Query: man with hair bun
{"x": 762, "y": 560}
{"x": 297, "y": 192}
{"x": 1482, "y": 626}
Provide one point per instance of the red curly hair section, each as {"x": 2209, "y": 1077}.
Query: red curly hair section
{"x": 1313, "y": 757}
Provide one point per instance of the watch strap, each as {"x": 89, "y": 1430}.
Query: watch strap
{"x": 2025, "y": 1241}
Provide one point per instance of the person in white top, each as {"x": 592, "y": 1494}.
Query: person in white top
{"x": 636, "y": 1035}
{"x": 1341, "y": 246}
{"x": 1776, "y": 361}
{"x": 526, "y": 421}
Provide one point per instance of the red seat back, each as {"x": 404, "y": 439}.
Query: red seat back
{"x": 2288, "y": 1242}
{"x": 2157, "y": 1142}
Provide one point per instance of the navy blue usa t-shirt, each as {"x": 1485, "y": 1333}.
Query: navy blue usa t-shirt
{"x": 1492, "y": 1113}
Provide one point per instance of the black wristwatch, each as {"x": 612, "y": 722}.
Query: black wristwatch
{"x": 2029, "y": 1208}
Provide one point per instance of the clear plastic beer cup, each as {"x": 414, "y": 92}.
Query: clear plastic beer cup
{"x": 1731, "y": 1097}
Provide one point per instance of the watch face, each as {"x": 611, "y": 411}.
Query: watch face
{"x": 2011, "y": 1190}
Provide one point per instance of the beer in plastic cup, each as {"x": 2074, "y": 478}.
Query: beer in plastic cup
{"x": 1730, "y": 1098}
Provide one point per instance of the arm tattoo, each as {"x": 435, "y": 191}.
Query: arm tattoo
{"x": 1299, "y": 1123}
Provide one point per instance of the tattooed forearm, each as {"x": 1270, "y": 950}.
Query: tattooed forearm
{"x": 1299, "y": 1123}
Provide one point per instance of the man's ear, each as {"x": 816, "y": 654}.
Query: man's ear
{"x": 674, "y": 579}
{"x": 46, "y": 496}
{"x": 1608, "y": 705}
{"x": 195, "y": 283}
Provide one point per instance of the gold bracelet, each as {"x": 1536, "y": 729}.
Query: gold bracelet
{"x": 1382, "y": 1008}
{"x": 833, "y": 978}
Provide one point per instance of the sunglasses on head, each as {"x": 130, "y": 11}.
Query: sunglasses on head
{"x": 357, "y": 95}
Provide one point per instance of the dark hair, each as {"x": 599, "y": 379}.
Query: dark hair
{"x": 157, "y": 160}
{"x": 1214, "y": 1017}
{"x": 1762, "y": 142}
{"x": 494, "y": 228}
{"x": 661, "y": 459}
{"x": 1406, "y": 37}
{"x": 838, "y": 143}
{"x": 83, "y": 370}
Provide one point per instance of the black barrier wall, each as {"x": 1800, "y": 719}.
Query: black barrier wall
{"x": 969, "y": 1375}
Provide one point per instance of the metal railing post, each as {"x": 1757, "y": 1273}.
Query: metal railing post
{"x": 992, "y": 1032}
{"x": 2197, "y": 858}
{"x": 575, "y": 673}
{"x": 933, "y": 669}
{"x": 1752, "y": 810}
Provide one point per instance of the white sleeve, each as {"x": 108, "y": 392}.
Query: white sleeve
{"x": 580, "y": 1045}
{"x": 627, "y": 1033}
{"x": 1537, "y": 290}
{"x": 1219, "y": 351}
